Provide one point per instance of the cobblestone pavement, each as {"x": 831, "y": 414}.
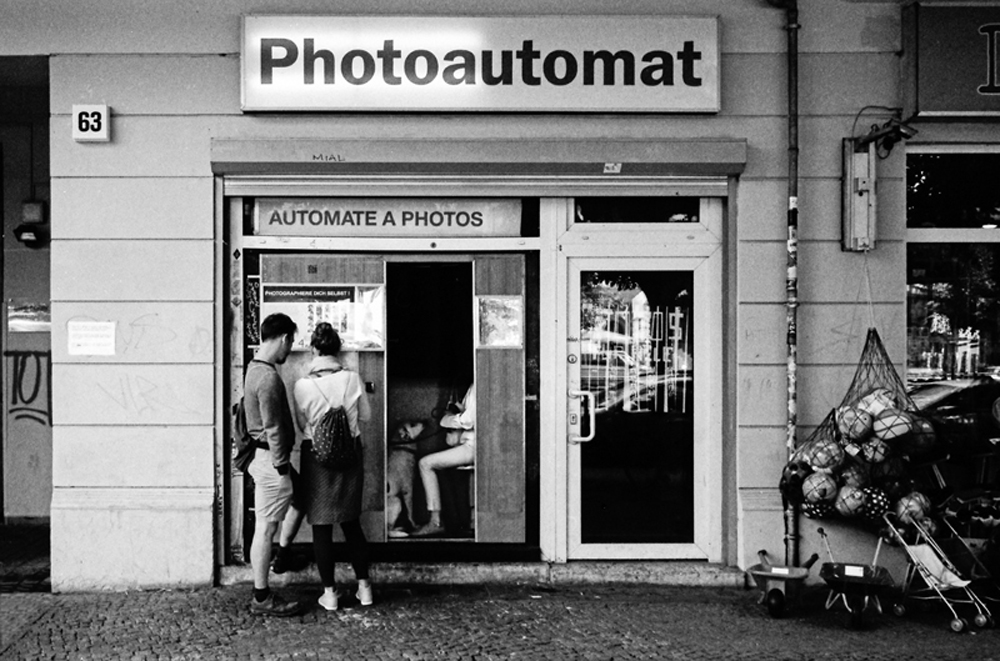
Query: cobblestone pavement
{"x": 487, "y": 622}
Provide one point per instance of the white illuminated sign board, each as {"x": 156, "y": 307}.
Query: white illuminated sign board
{"x": 663, "y": 64}
{"x": 387, "y": 217}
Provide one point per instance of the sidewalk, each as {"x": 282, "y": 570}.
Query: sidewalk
{"x": 461, "y": 622}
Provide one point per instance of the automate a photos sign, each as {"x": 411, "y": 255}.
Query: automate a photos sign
{"x": 667, "y": 64}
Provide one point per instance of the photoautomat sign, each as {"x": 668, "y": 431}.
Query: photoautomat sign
{"x": 535, "y": 63}
{"x": 387, "y": 217}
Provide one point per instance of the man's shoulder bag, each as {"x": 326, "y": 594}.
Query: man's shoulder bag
{"x": 244, "y": 445}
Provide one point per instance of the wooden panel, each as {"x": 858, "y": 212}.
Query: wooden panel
{"x": 133, "y": 394}
{"x": 322, "y": 268}
{"x": 132, "y": 208}
{"x": 500, "y": 442}
{"x": 133, "y": 270}
{"x": 168, "y": 332}
{"x": 143, "y": 457}
{"x": 162, "y": 84}
{"x": 371, "y": 366}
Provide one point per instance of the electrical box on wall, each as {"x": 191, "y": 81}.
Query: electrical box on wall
{"x": 858, "y": 196}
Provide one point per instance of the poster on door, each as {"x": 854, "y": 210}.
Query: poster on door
{"x": 356, "y": 312}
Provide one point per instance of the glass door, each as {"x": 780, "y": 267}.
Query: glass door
{"x": 641, "y": 417}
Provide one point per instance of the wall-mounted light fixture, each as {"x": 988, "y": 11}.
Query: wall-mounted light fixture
{"x": 32, "y": 231}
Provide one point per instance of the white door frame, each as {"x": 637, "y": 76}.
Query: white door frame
{"x": 695, "y": 247}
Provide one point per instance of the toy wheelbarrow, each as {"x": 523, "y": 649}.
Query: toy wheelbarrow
{"x": 779, "y": 586}
{"x": 857, "y": 586}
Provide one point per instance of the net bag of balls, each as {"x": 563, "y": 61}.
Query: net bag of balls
{"x": 854, "y": 465}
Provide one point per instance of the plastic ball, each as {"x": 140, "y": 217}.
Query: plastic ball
{"x": 821, "y": 510}
{"x": 875, "y": 451}
{"x": 853, "y": 423}
{"x": 929, "y": 526}
{"x": 825, "y": 455}
{"x": 790, "y": 485}
{"x": 854, "y": 475}
{"x": 876, "y": 401}
{"x": 850, "y": 501}
{"x": 912, "y": 507}
{"x": 819, "y": 487}
{"x": 892, "y": 468}
{"x": 921, "y": 439}
{"x": 876, "y": 503}
{"x": 891, "y": 424}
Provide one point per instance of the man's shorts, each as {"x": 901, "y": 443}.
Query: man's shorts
{"x": 272, "y": 492}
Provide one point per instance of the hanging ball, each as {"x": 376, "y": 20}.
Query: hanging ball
{"x": 850, "y": 501}
{"x": 790, "y": 485}
{"x": 825, "y": 455}
{"x": 921, "y": 439}
{"x": 853, "y": 423}
{"x": 876, "y": 503}
{"x": 875, "y": 451}
{"x": 891, "y": 424}
{"x": 929, "y": 526}
{"x": 876, "y": 401}
{"x": 819, "y": 487}
{"x": 854, "y": 475}
{"x": 820, "y": 510}
{"x": 912, "y": 507}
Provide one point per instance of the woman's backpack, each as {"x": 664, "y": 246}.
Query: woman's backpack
{"x": 333, "y": 444}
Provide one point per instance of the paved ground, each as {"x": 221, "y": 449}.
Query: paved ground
{"x": 509, "y": 621}
{"x": 494, "y": 622}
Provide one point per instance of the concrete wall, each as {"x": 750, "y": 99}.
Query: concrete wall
{"x": 134, "y": 240}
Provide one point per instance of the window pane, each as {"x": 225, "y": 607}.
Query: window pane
{"x": 952, "y": 309}
{"x": 952, "y": 190}
{"x": 637, "y": 209}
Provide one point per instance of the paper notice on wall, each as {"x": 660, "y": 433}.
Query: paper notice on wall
{"x": 90, "y": 338}
{"x": 356, "y": 312}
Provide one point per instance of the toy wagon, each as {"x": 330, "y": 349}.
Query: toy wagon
{"x": 779, "y": 585}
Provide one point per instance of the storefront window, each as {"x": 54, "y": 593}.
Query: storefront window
{"x": 953, "y": 317}
{"x": 637, "y": 210}
{"x": 953, "y": 190}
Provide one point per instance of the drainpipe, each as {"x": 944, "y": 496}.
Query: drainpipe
{"x": 791, "y": 514}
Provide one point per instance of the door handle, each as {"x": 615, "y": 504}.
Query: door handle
{"x": 591, "y": 415}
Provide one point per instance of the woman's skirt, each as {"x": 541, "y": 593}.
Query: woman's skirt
{"x": 330, "y": 496}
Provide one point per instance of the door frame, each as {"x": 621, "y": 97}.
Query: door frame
{"x": 696, "y": 247}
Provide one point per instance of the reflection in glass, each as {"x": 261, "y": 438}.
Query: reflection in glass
{"x": 953, "y": 310}
{"x": 637, "y": 359}
{"x": 637, "y": 209}
{"x": 953, "y": 190}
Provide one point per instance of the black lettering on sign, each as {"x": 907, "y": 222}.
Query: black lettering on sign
{"x": 31, "y": 386}
{"x": 991, "y": 30}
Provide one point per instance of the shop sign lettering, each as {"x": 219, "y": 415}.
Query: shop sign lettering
{"x": 390, "y": 217}
{"x": 538, "y": 63}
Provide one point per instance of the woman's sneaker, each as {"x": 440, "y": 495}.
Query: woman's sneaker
{"x": 274, "y": 605}
{"x": 364, "y": 595}
{"x": 329, "y": 601}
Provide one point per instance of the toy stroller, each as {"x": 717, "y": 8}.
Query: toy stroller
{"x": 857, "y": 586}
{"x": 940, "y": 577}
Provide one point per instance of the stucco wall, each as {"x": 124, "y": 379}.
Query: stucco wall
{"x": 134, "y": 240}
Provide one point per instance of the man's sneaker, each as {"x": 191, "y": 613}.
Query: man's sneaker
{"x": 274, "y": 605}
{"x": 364, "y": 594}
{"x": 329, "y": 601}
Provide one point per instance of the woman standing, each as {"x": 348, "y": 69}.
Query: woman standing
{"x": 332, "y": 496}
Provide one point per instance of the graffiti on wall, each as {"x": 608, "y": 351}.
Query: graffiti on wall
{"x": 30, "y": 386}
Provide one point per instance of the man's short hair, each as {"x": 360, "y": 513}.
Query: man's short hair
{"x": 276, "y": 325}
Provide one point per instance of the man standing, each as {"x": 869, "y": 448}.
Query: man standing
{"x": 269, "y": 418}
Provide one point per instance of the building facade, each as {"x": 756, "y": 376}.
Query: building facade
{"x": 589, "y": 218}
